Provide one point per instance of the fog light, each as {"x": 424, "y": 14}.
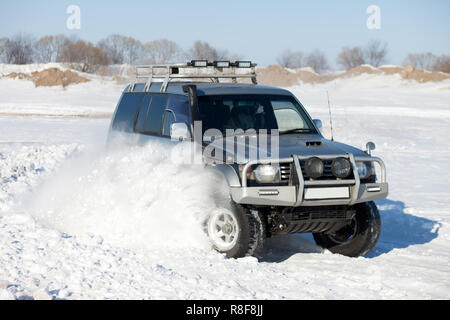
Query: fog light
{"x": 314, "y": 167}
{"x": 341, "y": 168}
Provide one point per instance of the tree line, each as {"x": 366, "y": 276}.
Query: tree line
{"x": 374, "y": 53}
{"x": 114, "y": 49}
{"x": 119, "y": 49}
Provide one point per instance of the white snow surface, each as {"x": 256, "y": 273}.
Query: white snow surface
{"x": 21, "y": 98}
{"x": 77, "y": 222}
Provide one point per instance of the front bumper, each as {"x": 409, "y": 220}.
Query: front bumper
{"x": 313, "y": 193}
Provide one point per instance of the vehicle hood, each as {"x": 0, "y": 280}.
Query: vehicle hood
{"x": 293, "y": 144}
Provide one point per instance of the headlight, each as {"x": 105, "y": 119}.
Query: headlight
{"x": 267, "y": 173}
{"x": 365, "y": 169}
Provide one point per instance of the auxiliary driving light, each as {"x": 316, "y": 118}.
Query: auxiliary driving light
{"x": 199, "y": 63}
{"x": 222, "y": 64}
{"x": 244, "y": 64}
{"x": 341, "y": 168}
{"x": 314, "y": 167}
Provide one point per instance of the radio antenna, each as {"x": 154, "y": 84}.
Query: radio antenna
{"x": 331, "y": 119}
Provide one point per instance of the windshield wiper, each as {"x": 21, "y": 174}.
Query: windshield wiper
{"x": 301, "y": 130}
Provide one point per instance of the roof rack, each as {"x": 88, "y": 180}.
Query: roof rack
{"x": 196, "y": 69}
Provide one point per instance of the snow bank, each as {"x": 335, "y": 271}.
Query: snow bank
{"x": 23, "y": 167}
{"x": 279, "y": 76}
{"x": 29, "y": 68}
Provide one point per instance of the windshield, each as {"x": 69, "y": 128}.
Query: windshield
{"x": 257, "y": 112}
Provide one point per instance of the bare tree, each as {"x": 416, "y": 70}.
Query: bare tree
{"x": 223, "y": 54}
{"x": 85, "y": 56}
{"x": 50, "y": 48}
{"x": 284, "y": 59}
{"x": 121, "y": 49}
{"x": 162, "y": 51}
{"x": 115, "y": 46}
{"x": 203, "y": 51}
{"x": 44, "y": 50}
{"x": 424, "y": 61}
{"x": 60, "y": 43}
{"x": 289, "y": 59}
{"x": 20, "y": 49}
{"x": 375, "y": 53}
{"x": 133, "y": 50}
{"x": 317, "y": 61}
{"x": 442, "y": 64}
{"x": 350, "y": 58}
{"x": 3, "y": 46}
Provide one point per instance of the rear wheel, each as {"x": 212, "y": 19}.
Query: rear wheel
{"x": 358, "y": 237}
{"x": 238, "y": 232}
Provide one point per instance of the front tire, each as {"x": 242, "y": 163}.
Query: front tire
{"x": 238, "y": 232}
{"x": 359, "y": 237}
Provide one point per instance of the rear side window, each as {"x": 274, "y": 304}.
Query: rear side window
{"x": 126, "y": 112}
{"x": 169, "y": 119}
{"x": 150, "y": 118}
{"x": 143, "y": 113}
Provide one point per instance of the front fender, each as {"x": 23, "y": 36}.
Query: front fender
{"x": 229, "y": 174}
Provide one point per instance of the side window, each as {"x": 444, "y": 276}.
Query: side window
{"x": 143, "y": 113}
{"x": 169, "y": 118}
{"x": 151, "y": 114}
{"x": 126, "y": 112}
{"x": 153, "y": 124}
{"x": 180, "y": 107}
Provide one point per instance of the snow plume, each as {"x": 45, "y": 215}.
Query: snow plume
{"x": 134, "y": 197}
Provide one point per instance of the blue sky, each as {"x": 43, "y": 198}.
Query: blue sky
{"x": 257, "y": 30}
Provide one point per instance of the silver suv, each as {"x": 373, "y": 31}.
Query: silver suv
{"x": 292, "y": 180}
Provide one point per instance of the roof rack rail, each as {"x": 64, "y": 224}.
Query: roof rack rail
{"x": 196, "y": 69}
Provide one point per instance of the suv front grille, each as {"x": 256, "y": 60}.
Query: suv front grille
{"x": 285, "y": 172}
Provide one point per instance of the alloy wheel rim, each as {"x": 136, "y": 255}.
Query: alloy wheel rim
{"x": 223, "y": 230}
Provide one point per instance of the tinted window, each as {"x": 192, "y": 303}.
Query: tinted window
{"x": 143, "y": 114}
{"x": 169, "y": 118}
{"x": 126, "y": 112}
{"x": 151, "y": 115}
{"x": 253, "y": 112}
{"x": 180, "y": 106}
{"x": 153, "y": 124}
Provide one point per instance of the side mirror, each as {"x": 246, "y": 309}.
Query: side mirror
{"x": 318, "y": 123}
{"x": 370, "y": 146}
{"x": 179, "y": 131}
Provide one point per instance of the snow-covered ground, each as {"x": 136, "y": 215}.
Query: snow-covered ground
{"x": 78, "y": 223}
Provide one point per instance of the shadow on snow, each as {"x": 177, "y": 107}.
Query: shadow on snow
{"x": 399, "y": 230}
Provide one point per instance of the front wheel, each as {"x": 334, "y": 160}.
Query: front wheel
{"x": 358, "y": 237}
{"x": 237, "y": 232}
